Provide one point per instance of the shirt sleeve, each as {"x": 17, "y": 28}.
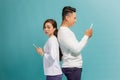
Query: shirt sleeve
{"x": 53, "y": 51}
{"x": 69, "y": 41}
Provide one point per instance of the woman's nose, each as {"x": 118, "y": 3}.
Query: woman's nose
{"x": 45, "y": 29}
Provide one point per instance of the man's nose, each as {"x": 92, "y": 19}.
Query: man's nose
{"x": 75, "y": 20}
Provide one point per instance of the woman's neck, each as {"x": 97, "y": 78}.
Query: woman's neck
{"x": 51, "y": 35}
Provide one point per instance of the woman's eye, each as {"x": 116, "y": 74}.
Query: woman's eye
{"x": 48, "y": 27}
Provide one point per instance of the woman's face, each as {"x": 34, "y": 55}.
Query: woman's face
{"x": 48, "y": 29}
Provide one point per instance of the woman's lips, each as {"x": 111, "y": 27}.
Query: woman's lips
{"x": 46, "y": 32}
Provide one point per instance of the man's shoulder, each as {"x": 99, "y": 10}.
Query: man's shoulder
{"x": 63, "y": 29}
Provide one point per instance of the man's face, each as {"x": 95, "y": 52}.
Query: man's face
{"x": 71, "y": 18}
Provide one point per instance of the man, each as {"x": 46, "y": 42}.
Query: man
{"x": 70, "y": 46}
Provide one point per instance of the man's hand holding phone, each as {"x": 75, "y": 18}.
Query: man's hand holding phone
{"x": 89, "y": 31}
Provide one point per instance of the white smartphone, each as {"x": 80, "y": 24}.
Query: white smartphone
{"x": 34, "y": 45}
{"x": 91, "y": 26}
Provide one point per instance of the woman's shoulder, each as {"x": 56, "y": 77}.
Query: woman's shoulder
{"x": 52, "y": 39}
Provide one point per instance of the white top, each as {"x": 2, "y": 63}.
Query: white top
{"x": 51, "y": 57}
{"x": 71, "y": 47}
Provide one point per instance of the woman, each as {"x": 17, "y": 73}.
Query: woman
{"x": 50, "y": 52}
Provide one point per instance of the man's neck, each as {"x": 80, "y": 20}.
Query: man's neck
{"x": 65, "y": 24}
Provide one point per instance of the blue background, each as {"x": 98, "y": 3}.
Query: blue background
{"x": 21, "y": 23}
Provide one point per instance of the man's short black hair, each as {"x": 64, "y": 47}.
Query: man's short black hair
{"x": 66, "y": 10}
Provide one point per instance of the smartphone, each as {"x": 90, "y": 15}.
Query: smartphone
{"x": 91, "y": 26}
{"x": 34, "y": 45}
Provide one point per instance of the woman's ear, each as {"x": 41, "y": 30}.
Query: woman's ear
{"x": 54, "y": 29}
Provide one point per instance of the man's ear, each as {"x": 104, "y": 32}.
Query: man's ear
{"x": 67, "y": 17}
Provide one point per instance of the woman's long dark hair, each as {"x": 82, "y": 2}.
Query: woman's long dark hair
{"x": 54, "y": 23}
